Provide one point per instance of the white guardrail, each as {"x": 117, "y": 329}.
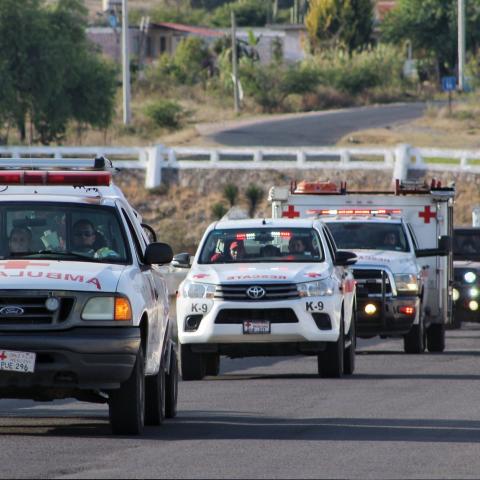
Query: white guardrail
{"x": 155, "y": 159}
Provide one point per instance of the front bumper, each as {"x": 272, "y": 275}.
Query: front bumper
{"x": 387, "y": 320}
{"x": 79, "y": 358}
{"x": 305, "y": 329}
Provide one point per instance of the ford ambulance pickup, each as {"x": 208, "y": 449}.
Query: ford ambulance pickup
{"x": 403, "y": 272}
{"x": 264, "y": 288}
{"x": 83, "y": 308}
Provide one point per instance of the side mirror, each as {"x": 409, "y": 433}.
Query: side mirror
{"x": 182, "y": 260}
{"x": 344, "y": 258}
{"x": 158, "y": 254}
{"x": 443, "y": 250}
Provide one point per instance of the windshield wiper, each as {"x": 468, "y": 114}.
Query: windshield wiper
{"x": 59, "y": 254}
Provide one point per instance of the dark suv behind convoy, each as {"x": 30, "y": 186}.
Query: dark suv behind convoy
{"x": 466, "y": 264}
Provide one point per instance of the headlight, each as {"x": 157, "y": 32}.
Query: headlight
{"x": 319, "y": 288}
{"x": 474, "y": 292}
{"x": 198, "y": 290}
{"x": 107, "y": 309}
{"x": 455, "y": 294}
{"x": 407, "y": 282}
{"x": 470, "y": 277}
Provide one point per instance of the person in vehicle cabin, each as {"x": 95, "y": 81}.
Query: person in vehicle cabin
{"x": 20, "y": 240}
{"x": 87, "y": 240}
{"x": 297, "y": 246}
{"x": 390, "y": 241}
{"x": 237, "y": 250}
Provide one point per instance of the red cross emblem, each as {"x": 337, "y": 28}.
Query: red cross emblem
{"x": 427, "y": 214}
{"x": 22, "y": 264}
{"x": 313, "y": 275}
{"x": 3, "y": 356}
{"x": 290, "y": 213}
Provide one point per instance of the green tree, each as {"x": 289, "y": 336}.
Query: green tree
{"x": 431, "y": 26}
{"x": 340, "y": 23}
{"x": 218, "y": 210}
{"x": 248, "y": 13}
{"x": 47, "y": 66}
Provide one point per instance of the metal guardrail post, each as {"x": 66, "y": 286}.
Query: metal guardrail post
{"x": 402, "y": 162}
{"x": 153, "y": 176}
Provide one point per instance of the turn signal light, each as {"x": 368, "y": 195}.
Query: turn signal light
{"x": 123, "y": 310}
{"x": 407, "y": 310}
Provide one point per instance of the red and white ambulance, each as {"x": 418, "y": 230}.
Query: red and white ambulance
{"x": 402, "y": 239}
{"x": 83, "y": 306}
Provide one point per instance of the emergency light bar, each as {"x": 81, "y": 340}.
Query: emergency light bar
{"x": 381, "y": 211}
{"x": 55, "y": 178}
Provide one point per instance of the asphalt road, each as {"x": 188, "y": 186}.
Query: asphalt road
{"x": 318, "y": 129}
{"x": 399, "y": 416}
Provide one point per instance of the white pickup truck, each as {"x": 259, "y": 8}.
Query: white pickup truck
{"x": 402, "y": 240}
{"x": 264, "y": 288}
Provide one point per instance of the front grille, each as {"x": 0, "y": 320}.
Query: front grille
{"x": 277, "y": 291}
{"x": 35, "y": 311}
{"x": 239, "y": 315}
{"x": 369, "y": 282}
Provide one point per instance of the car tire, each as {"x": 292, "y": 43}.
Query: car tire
{"x": 414, "y": 340}
{"x": 171, "y": 391}
{"x": 349, "y": 352}
{"x": 330, "y": 361}
{"x": 212, "y": 364}
{"x": 155, "y": 398}
{"x": 127, "y": 404}
{"x": 436, "y": 338}
{"x": 192, "y": 364}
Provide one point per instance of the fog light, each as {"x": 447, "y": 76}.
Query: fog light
{"x": 473, "y": 293}
{"x": 370, "y": 309}
{"x": 455, "y": 294}
{"x": 192, "y": 322}
{"x": 473, "y": 305}
{"x": 407, "y": 310}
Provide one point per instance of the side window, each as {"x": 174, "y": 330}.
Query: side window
{"x": 330, "y": 246}
{"x": 412, "y": 234}
{"x": 133, "y": 233}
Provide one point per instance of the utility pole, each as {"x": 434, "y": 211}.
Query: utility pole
{"x": 235, "y": 64}
{"x": 125, "y": 64}
{"x": 461, "y": 45}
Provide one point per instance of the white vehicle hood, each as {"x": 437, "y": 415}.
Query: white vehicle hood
{"x": 397, "y": 262}
{"x": 261, "y": 273}
{"x": 466, "y": 264}
{"x": 59, "y": 275}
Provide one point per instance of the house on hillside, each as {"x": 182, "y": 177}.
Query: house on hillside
{"x": 163, "y": 38}
{"x": 150, "y": 42}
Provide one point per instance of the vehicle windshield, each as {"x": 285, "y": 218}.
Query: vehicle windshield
{"x": 262, "y": 245}
{"x": 369, "y": 236}
{"x": 466, "y": 244}
{"x": 61, "y": 232}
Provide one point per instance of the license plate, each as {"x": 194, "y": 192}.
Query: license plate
{"x": 256, "y": 326}
{"x": 23, "y": 362}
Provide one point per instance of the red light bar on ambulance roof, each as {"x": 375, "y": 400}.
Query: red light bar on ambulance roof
{"x": 355, "y": 211}
{"x": 55, "y": 178}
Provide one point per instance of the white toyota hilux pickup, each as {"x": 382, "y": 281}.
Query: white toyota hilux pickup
{"x": 264, "y": 288}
